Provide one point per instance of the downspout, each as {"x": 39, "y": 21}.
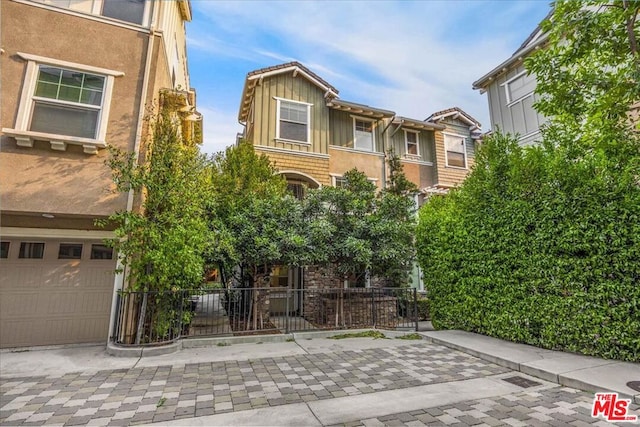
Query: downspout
{"x": 385, "y": 144}
{"x": 119, "y": 279}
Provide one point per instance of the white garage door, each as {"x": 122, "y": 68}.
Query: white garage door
{"x": 54, "y": 291}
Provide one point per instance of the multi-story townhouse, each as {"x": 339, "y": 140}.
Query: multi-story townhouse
{"x": 77, "y": 77}
{"x": 296, "y": 118}
{"x": 510, "y": 91}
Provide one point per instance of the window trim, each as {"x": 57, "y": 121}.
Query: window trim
{"x": 406, "y": 143}
{"x": 336, "y": 176}
{"x": 307, "y": 105}
{"x": 25, "y": 137}
{"x": 373, "y": 133}
{"x": 464, "y": 144}
{"x": 510, "y": 102}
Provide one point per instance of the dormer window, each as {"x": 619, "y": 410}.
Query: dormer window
{"x": 293, "y": 121}
{"x": 411, "y": 140}
{"x": 363, "y": 134}
{"x": 455, "y": 151}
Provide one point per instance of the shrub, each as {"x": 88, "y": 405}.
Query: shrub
{"x": 539, "y": 247}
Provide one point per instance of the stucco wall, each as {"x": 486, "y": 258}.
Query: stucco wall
{"x": 39, "y": 179}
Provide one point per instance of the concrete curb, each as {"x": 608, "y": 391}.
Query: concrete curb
{"x": 568, "y": 377}
{"x": 223, "y": 341}
{"x": 147, "y": 351}
{"x": 120, "y": 351}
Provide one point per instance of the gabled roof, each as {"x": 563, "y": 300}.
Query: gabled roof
{"x": 255, "y": 77}
{"x": 359, "y": 109}
{"x": 536, "y": 39}
{"x": 456, "y": 113}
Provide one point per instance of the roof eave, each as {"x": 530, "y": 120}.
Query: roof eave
{"x": 485, "y": 80}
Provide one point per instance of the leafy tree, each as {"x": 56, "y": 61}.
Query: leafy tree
{"x": 394, "y": 233}
{"x": 357, "y": 230}
{"x": 258, "y": 224}
{"x": 163, "y": 242}
{"x": 542, "y": 244}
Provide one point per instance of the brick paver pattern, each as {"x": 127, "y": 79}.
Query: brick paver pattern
{"x": 556, "y": 406}
{"x": 142, "y": 395}
{"x": 156, "y": 394}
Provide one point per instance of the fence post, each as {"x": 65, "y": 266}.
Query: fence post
{"x": 415, "y": 307}
{"x": 286, "y": 311}
{"x": 141, "y": 318}
{"x": 115, "y": 332}
{"x": 373, "y": 307}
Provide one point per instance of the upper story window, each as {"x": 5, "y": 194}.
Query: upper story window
{"x": 519, "y": 87}
{"x": 412, "y": 140}
{"x": 363, "y": 135}
{"x": 455, "y": 151}
{"x": 63, "y": 103}
{"x": 293, "y": 121}
{"x": 67, "y": 102}
{"x": 132, "y": 11}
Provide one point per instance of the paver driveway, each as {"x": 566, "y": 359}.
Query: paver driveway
{"x": 164, "y": 393}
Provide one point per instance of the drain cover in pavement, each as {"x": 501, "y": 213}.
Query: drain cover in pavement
{"x": 521, "y": 382}
{"x": 634, "y": 385}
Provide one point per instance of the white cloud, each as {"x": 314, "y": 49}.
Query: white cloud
{"x": 411, "y": 57}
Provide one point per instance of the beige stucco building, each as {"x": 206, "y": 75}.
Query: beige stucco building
{"x": 77, "y": 77}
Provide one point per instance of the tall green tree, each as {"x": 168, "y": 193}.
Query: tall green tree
{"x": 164, "y": 241}
{"x": 257, "y": 223}
{"x": 357, "y": 230}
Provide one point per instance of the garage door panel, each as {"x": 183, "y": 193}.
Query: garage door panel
{"x": 49, "y": 301}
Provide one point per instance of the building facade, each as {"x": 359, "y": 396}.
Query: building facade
{"x": 78, "y": 77}
{"x": 297, "y": 119}
{"x": 510, "y": 92}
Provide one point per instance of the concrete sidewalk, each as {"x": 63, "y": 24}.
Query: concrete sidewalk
{"x": 568, "y": 369}
{"x": 306, "y": 379}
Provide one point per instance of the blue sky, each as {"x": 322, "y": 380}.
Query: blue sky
{"x": 412, "y": 57}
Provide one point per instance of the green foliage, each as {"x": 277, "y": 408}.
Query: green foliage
{"x": 423, "y": 308}
{"x": 536, "y": 249}
{"x": 163, "y": 242}
{"x": 257, "y": 223}
{"x": 356, "y": 229}
{"x": 542, "y": 245}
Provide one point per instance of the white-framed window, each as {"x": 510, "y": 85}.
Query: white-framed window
{"x": 131, "y": 11}
{"x": 455, "y": 151}
{"x": 63, "y": 103}
{"x": 519, "y": 87}
{"x": 363, "y": 134}
{"x": 294, "y": 120}
{"x": 341, "y": 181}
{"x": 412, "y": 142}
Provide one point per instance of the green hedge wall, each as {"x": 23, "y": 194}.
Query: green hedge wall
{"x": 539, "y": 246}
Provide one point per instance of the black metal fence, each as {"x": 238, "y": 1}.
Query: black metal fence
{"x": 147, "y": 318}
